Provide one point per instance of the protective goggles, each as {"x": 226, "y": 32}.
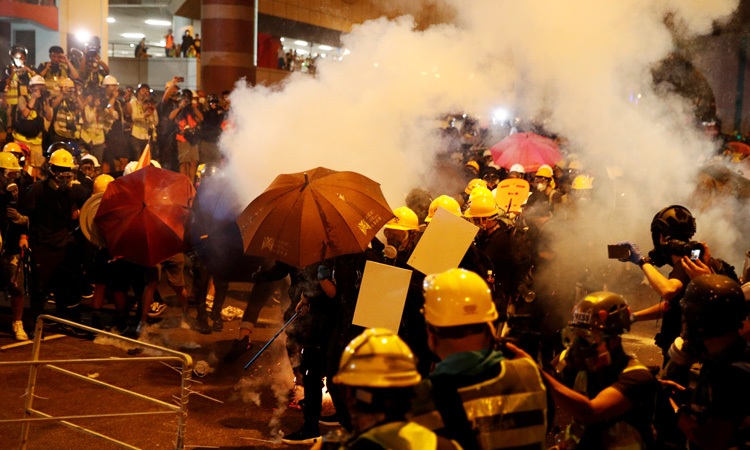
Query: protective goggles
{"x": 585, "y": 337}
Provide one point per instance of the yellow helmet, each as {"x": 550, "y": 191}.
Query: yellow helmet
{"x": 583, "y": 182}
{"x": 8, "y": 161}
{"x": 446, "y": 202}
{"x": 474, "y": 165}
{"x": 377, "y": 358}
{"x": 482, "y": 205}
{"x": 476, "y": 182}
{"x": 12, "y": 147}
{"x": 405, "y": 219}
{"x": 544, "y": 171}
{"x": 101, "y": 182}
{"x": 67, "y": 82}
{"x": 61, "y": 158}
{"x": 457, "y": 297}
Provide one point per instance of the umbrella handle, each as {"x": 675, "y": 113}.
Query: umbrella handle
{"x": 272, "y": 339}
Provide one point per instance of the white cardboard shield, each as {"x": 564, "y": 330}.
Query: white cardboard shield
{"x": 382, "y": 295}
{"x": 443, "y": 244}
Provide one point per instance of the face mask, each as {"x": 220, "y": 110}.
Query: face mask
{"x": 18, "y": 62}
{"x": 541, "y": 186}
{"x": 587, "y": 350}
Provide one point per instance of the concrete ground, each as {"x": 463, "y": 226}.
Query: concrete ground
{"x": 246, "y": 409}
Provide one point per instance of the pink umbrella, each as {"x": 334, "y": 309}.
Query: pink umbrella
{"x": 527, "y": 149}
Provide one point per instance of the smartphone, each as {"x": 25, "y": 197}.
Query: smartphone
{"x": 695, "y": 254}
{"x": 618, "y": 251}
{"x": 181, "y": 79}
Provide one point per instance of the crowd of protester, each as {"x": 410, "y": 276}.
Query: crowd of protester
{"x": 477, "y": 362}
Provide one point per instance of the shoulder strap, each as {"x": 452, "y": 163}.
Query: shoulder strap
{"x": 451, "y": 408}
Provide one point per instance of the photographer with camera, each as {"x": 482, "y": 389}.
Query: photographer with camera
{"x": 93, "y": 68}
{"x": 98, "y": 115}
{"x": 188, "y": 118}
{"x": 143, "y": 111}
{"x": 67, "y": 109}
{"x": 57, "y": 69}
{"x": 15, "y": 80}
{"x": 671, "y": 231}
{"x": 29, "y": 121}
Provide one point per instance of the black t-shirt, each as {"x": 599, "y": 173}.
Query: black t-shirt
{"x": 50, "y": 210}
{"x": 498, "y": 250}
{"x": 723, "y": 392}
{"x": 633, "y": 381}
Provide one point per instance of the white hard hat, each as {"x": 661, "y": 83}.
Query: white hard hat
{"x": 517, "y": 168}
{"x": 92, "y": 158}
{"x": 109, "y": 80}
{"x": 37, "y": 79}
{"x": 130, "y": 168}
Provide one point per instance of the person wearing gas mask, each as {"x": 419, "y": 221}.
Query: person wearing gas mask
{"x": 475, "y": 395}
{"x": 15, "y": 79}
{"x": 66, "y": 119}
{"x": 609, "y": 394}
{"x": 55, "y": 70}
{"x": 145, "y": 118}
{"x": 33, "y": 111}
{"x": 671, "y": 231}
{"x": 718, "y": 409}
{"x": 52, "y": 207}
{"x": 21, "y": 153}
{"x": 543, "y": 188}
{"x": 12, "y": 225}
{"x": 188, "y": 117}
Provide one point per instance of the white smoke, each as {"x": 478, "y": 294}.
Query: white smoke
{"x": 575, "y": 62}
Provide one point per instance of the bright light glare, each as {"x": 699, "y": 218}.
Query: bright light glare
{"x": 501, "y": 115}
{"x": 325, "y": 47}
{"x": 133, "y": 35}
{"x": 302, "y": 43}
{"x": 346, "y": 51}
{"x": 323, "y": 55}
{"x": 110, "y": 20}
{"x": 282, "y": 39}
{"x": 160, "y": 23}
{"x": 301, "y": 52}
{"x": 83, "y": 36}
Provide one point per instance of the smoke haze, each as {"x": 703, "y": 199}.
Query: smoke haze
{"x": 577, "y": 63}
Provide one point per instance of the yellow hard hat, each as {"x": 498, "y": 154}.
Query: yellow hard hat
{"x": 544, "y": 171}
{"x": 446, "y": 202}
{"x": 67, "y": 82}
{"x": 8, "y": 161}
{"x": 61, "y": 158}
{"x": 457, "y": 297}
{"x": 12, "y": 147}
{"x": 377, "y": 358}
{"x": 583, "y": 182}
{"x": 199, "y": 170}
{"x": 473, "y": 164}
{"x": 405, "y": 219}
{"x": 473, "y": 184}
{"x": 575, "y": 165}
{"x": 482, "y": 205}
{"x": 101, "y": 182}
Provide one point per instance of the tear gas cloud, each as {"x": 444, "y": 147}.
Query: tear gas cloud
{"x": 573, "y": 62}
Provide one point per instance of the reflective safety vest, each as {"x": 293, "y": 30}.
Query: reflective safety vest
{"x": 64, "y": 115}
{"x": 53, "y": 80}
{"x": 402, "y": 436}
{"x": 508, "y": 411}
{"x": 18, "y": 137}
{"x": 620, "y": 436}
{"x": 12, "y": 88}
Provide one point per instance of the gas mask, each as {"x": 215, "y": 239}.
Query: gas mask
{"x": 541, "y": 183}
{"x": 18, "y": 60}
{"x": 62, "y": 178}
{"x": 587, "y": 349}
{"x": 397, "y": 238}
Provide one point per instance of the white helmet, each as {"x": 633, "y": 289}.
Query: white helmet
{"x": 37, "y": 80}
{"x": 92, "y": 158}
{"x": 109, "y": 80}
{"x": 517, "y": 168}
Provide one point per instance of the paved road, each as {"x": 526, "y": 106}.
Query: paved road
{"x": 253, "y": 409}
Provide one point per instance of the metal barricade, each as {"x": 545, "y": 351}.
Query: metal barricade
{"x": 180, "y": 409}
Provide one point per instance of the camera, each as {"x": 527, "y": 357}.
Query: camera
{"x": 92, "y": 49}
{"x": 691, "y": 249}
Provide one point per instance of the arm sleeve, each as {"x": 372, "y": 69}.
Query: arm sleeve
{"x": 637, "y": 385}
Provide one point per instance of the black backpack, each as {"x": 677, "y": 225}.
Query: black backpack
{"x": 29, "y": 128}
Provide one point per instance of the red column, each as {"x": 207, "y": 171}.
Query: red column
{"x": 227, "y": 43}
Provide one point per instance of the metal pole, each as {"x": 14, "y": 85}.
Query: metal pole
{"x": 272, "y": 339}
{"x": 32, "y": 381}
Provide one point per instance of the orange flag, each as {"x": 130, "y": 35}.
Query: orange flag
{"x": 145, "y": 158}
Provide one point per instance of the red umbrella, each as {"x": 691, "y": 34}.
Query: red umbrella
{"x": 305, "y": 217}
{"x": 527, "y": 149}
{"x": 142, "y": 216}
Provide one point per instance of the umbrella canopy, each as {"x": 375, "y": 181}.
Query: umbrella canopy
{"x": 214, "y": 231}
{"x": 142, "y": 216}
{"x": 528, "y": 149}
{"x": 306, "y": 217}
{"x": 739, "y": 147}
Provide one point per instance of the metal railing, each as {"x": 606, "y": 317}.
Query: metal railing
{"x": 180, "y": 409}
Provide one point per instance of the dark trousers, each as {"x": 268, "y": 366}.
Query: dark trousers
{"x": 56, "y": 270}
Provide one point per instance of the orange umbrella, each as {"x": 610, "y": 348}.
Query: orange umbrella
{"x": 305, "y": 217}
{"x": 739, "y": 147}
